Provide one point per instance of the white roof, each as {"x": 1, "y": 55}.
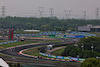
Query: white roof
{"x": 32, "y": 30}
{"x": 49, "y": 46}
{"x": 3, "y": 63}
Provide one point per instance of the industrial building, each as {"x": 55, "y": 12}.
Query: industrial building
{"x": 89, "y": 28}
{"x": 84, "y": 28}
{"x": 95, "y": 29}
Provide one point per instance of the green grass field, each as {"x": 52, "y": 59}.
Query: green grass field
{"x": 35, "y": 52}
{"x": 13, "y": 44}
{"x": 58, "y": 52}
{"x": 32, "y": 51}
{"x": 1, "y": 41}
{"x": 25, "y": 42}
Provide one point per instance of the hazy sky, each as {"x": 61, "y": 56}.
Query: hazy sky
{"x": 31, "y": 7}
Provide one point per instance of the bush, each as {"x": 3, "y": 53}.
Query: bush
{"x": 91, "y": 62}
{"x": 43, "y": 50}
{"x": 88, "y": 53}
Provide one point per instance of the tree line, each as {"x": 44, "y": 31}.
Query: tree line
{"x": 45, "y": 24}
{"x": 91, "y": 48}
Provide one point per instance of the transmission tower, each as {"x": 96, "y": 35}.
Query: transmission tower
{"x": 35, "y": 15}
{"x": 3, "y": 11}
{"x": 51, "y": 12}
{"x": 84, "y": 17}
{"x": 41, "y": 10}
{"x": 97, "y": 13}
{"x": 67, "y": 13}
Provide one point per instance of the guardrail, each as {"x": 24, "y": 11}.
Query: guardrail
{"x": 82, "y": 33}
{"x": 62, "y": 57}
{"x": 8, "y": 42}
{"x": 41, "y": 33}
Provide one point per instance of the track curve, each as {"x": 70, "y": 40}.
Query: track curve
{"x": 14, "y": 54}
{"x": 14, "y": 51}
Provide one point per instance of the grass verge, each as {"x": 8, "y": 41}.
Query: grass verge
{"x": 32, "y": 51}
{"x": 35, "y": 52}
{"x": 1, "y": 41}
{"x": 58, "y": 52}
{"x": 25, "y": 42}
{"x": 12, "y": 44}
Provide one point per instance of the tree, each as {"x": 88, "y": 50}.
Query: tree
{"x": 75, "y": 51}
{"x": 88, "y": 43}
{"x": 88, "y": 53}
{"x": 45, "y": 27}
{"x": 28, "y": 22}
{"x": 67, "y": 50}
{"x": 91, "y": 62}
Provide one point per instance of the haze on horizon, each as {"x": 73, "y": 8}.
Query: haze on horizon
{"x": 30, "y": 8}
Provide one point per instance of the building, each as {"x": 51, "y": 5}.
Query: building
{"x": 89, "y": 28}
{"x": 32, "y": 30}
{"x": 95, "y": 29}
{"x": 84, "y": 28}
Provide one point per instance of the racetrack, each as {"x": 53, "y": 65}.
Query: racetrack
{"x": 14, "y": 52}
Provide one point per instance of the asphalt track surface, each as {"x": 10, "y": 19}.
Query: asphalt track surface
{"x": 15, "y": 51}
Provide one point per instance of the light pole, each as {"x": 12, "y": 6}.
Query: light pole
{"x": 82, "y": 47}
{"x": 92, "y": 47}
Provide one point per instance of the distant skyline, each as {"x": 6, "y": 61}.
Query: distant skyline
{"x": 30, "y": 8}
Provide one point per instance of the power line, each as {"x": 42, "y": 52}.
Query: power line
{"x": 97, "y": 13}
{"x": 67, "y": 13}
{"x": 35, "y": 15}
{"x": 21, "y": 12}
{"x": 41, "y": 10}
{"x": 84, "y": 17}
{"x": 51, "y": 12}
{"x": 3, "y": 11}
